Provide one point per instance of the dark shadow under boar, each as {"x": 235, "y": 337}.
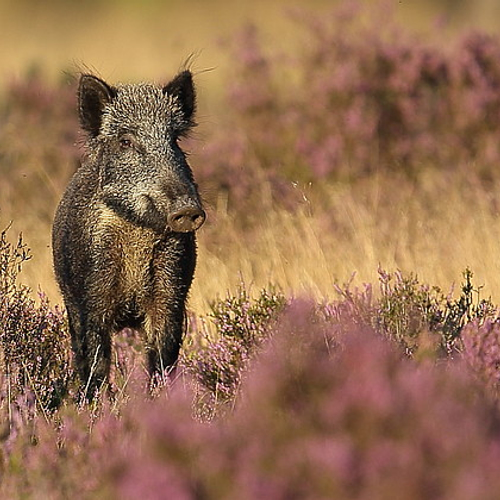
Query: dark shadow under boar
{"x": 123, "y": 236}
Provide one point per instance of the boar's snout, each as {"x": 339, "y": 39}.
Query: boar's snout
{"x": 186, "y": 219}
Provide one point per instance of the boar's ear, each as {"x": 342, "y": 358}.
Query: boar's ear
{"x": 182, "y": 87}
{"x": 93, "y": 95}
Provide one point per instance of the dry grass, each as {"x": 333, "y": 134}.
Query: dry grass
{"x": 136, "y": 40}
{"x": 435, "y": 230}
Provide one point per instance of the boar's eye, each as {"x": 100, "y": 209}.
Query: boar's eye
{"x": 126, "y": 143}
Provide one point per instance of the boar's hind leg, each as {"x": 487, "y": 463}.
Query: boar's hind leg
{"x": 91, "y": 345}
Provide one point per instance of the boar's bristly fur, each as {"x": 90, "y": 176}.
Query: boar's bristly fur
{"x": 124, "y": 232}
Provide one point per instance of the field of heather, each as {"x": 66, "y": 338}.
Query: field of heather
{"x": 344, "y": 337}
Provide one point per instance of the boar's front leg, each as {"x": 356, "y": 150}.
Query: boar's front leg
{"x": 164, "y": 333}
{"x": 165, "y": 319}
{"x": 91, "y": 345}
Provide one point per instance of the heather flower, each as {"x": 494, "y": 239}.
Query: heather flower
{"x": 327, "y": 410}
{"x": 361, "y": 96}
{"x": 242, "y": 325}
{"x": 34, "y": 340}
{"x": 481, "y": 352}
{"x": 357, "y": 421}
{"x": 420, "y": 318}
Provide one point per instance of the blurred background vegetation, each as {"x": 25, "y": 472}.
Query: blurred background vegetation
{"x": 348, "y": 153}
{"x": 273, "y": 215}
{"x": 131, "y": 39}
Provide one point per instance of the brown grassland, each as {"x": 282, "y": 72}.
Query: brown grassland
{"x": 434, "y": 229}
